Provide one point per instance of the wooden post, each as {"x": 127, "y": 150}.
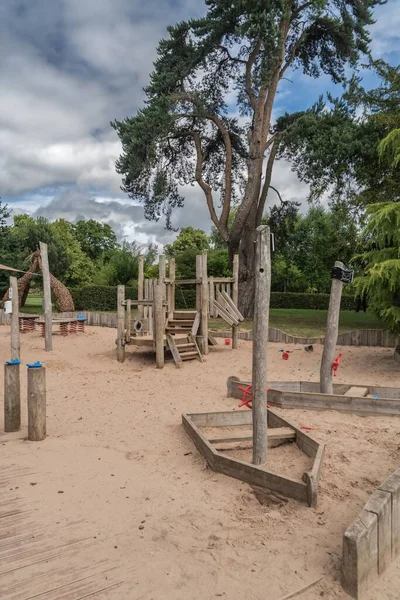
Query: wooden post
{"x": 331, "y": 335}
{"x": 159, "y": 322}
{"x": 15, "y": 341}
{"x": 172, "y": 278}
{"x": 12, "y": 399}
{"x": 128, "y": 321}
{"x": 235, "y": 297}
{"x": 198, "y": 285}
{"x": 140, "y": 284}
{"x": 36, "y": 404}
{"x": 48, "y": 342}
{"x": 211, "y": 295}
{"x": 161, "y": 273}
{"x": 204, "y": 304}
{"x": 260, "y": 339}
{"x": 121, "y": 323}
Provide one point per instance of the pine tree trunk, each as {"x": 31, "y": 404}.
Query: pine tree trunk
{"x": 246, "y": 266}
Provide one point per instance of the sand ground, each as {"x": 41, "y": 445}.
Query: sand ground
{"x": 118, "y": 468}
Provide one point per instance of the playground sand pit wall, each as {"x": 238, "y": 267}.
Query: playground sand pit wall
{"x": 118, "y": 452}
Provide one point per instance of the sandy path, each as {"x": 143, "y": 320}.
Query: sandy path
{"x": 118, "y": 453}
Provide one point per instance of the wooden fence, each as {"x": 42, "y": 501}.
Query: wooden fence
{"x": 363, "y": 337}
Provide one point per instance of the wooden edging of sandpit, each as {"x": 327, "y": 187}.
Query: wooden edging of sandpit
{"x": 372, "y": 542}
{"x": 287, "y": 398}
{"x": 303, "y": 491}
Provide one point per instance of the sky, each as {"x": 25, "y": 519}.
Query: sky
{"x": 69, "y": 67}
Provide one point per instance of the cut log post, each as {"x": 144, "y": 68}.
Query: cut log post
{"x": 171, "y": 296}
{"x": 204, "y": 304}
{"x": 198, "y": 285}
{"x": 15, "y": 339}
{"x": 159, "y": 324}
{"x": 48, "y": 340}
{"x": 121, "y": 323}
{"x": 128, "y": 321}
{"x": 260, "y": 340}
{"x": 140, "y": 284}
{"x": 235, "y": 297}
{"x": 12, "y": 398}
{"x": 161, "y": 273}
{"x": 36, "y": 404}
{"x": 331, "y": 336}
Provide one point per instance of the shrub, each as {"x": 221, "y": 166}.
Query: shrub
{"x": 99, "y": 297}
{"x": 310, "y": 301}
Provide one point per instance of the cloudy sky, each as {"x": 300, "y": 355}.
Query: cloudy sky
{"x": 67, "y": 68}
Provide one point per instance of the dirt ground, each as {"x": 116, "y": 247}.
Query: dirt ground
{"x": 118, "y": 465}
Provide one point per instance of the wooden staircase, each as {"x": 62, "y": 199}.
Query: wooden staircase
{"x": 184, "y": 347}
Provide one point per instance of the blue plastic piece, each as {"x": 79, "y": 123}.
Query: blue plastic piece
{"x": 376, "y": 397}
{"x": 80, "y": 317}
{"x": 16, "y": 361}
{"x": 35, "y": 365}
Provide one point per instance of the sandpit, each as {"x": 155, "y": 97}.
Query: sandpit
{"x": 118, "y": 467}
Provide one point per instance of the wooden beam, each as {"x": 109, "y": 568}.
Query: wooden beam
{"x": 120, "y": 323}
{"x": 198, "y": 282}
{"x": 260, "y": 340}
{"x": 204, "y": 304}
{"x": 235, "y": 298}
{"x": 161, "y": 274}
{"x": 277, "y": 433}
{"x": 227, "y": 317}
{"x": 48, "y": 344}
{"x": 36, "y": 404}
{"x": 140, "y": 284}
{"x": 15, "y": 339}
{"x": 172, "y": 286}
{"x": 128, "y": 321}
{"x": 331, "y": 335}
{"x": 159, "y": 324}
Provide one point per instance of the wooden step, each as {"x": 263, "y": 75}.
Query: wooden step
{"x": 182, "y": 314}
{"x": 183, "y": 322}
{"x": 173, "y": 330}
{"x": 189, "y": 355}
{"x": 185, "y": 345}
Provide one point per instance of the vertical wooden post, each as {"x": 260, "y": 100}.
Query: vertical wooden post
{"x": 211, "y": 295}
{"x": 159, "y": 323}
{"x": 140, "y": 284}
{"x": 121, "y": 323}
{"x": 204, "y": 303}
{"x": 12, "y": 398}
{"x": 146, "y": 289}
{"x": 36, "y": 404}
{"x": 235, "y": 297}
{"x": 331, "y": 335}
{"x": 48, "y": 341}
{"x": 198, "y": 285}
{"x": 161, "y": 273}
{"x": 260, "y": 339}
{"x": 171, "y": 297}
{"x": 128, "y": 321}
{"x": 15, "y": 341}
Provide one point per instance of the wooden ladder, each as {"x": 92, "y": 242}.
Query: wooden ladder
{"x": 183, "y": 348}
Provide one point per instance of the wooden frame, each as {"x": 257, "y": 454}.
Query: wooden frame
{"x": 255, "y": 475}
{"x": 305, "y": 395}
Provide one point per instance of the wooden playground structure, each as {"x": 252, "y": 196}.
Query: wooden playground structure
{"x": 160, "y": 326}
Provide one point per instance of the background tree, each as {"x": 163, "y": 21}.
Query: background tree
{"x": 80, "y": 268}
{"x": 189, "y": 239}
{"x": 95, "y": 238}
{"x": 188, "y": 130}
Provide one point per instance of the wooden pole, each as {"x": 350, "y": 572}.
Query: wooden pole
{"x": 331, "y": 335}
{"x": 172, "y": 278}
{"x": 161, "y": 273}
{"x": 159, "y": 322}
{"x": 140, "y": 284}
{"x": 36, "y": 404}
{"x": 128, "y": 321}
{"x": 211, "y": 295}
{"x": 48, "y": 341}
{"x": 15, "y": 341}
{"x": 260, "y": 339}
{"x": 198, "y": 285}
{"x": 235, "y": 298}
{"x": 204, "y": 303}
{"x": 12, "y": 398}
{"x": 120, "y": 323}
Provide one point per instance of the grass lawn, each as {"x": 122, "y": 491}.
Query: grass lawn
{"x": 295, "y": 321}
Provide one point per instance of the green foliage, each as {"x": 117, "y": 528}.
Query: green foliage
{"x": 389, "y": 148}
{"x": 189, "y": 239}
{"x": 99, "y": 298}
{"x": 308, "y": 301}
{"x": 381, "y": 263}
{"x": 79, "y": 268}
{"x": 95, "y": 238}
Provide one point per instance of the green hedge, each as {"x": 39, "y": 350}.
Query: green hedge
{"x": 99, "y": 297}
{"x": 310, "y": 301}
